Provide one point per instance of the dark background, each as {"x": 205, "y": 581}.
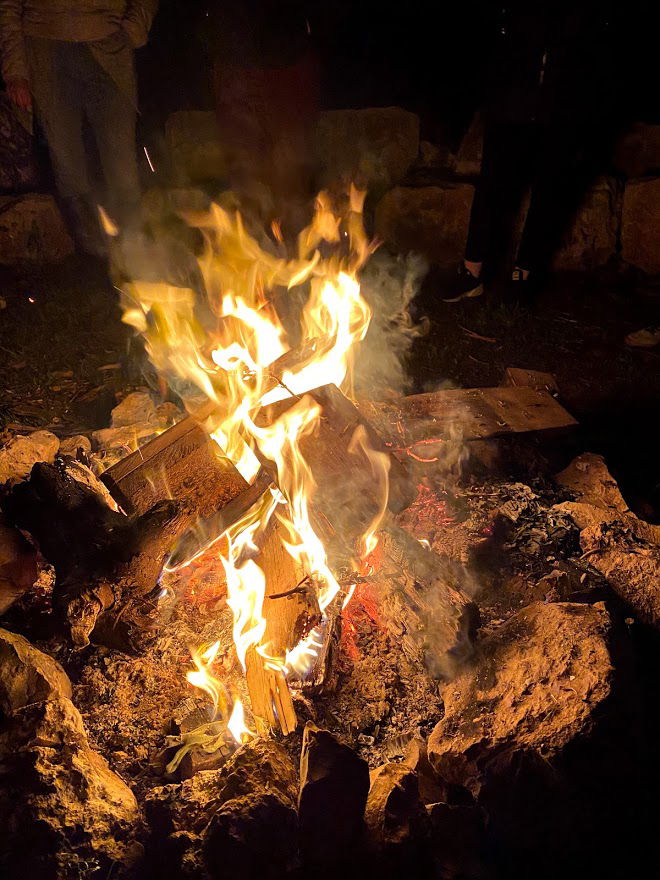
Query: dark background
{"x": 430, "y": 57}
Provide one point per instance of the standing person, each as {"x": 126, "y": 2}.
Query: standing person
{"x": 266, "y": 83}
{"x": 549, "y": 115}
{"x": 72, "y": 60}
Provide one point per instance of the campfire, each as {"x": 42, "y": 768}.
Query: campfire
{"x": 287, "y": 571}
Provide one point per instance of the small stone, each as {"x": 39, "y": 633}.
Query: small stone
{"x": 123, "y": 439}
{"x": 27, "y": 675}
{"x": 22, "y": 452}
{"x": 137, "y": 408}
{"x": 72, "y": 445}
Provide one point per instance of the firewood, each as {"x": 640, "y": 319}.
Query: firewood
{"x": 107, "y": 564}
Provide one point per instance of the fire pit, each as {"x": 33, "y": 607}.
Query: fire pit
{"x": 286, "y": 577}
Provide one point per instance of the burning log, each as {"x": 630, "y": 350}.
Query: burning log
{"x": 107, "y": 564}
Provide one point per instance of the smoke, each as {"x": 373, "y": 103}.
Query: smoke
{"x": 389, "y": 284}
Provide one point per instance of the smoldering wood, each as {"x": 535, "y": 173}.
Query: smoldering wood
{"x": 465, "y": 414}
{"x": 347, "y": 498}
{"x": 107, "y": 564}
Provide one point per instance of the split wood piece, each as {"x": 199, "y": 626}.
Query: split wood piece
{"x": 183, "y": 463}
{"x": 270, "y": 697}
{"x": 348, "y": 495}
{"x": 515, "y": 377}
{"x": 107, "y": 565}
{"x": 472, "y": 414}
{"x": 424, "y": 602}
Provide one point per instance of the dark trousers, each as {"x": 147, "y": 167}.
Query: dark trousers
{"x": 556, "y": 162}
{"x": 70, "y": 88}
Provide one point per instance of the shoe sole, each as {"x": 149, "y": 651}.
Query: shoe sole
{"x": 471, "y": 294}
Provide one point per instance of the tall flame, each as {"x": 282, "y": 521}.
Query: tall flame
{"x": 224, "y": 349}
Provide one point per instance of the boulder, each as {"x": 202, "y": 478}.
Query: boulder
{"x": 373, "y": 148}
{"x": 622, "y": 547}
{"x": 539, "y": 683}
{"x": 67, "y": 815}
{"x": 458, "y": 838}
{"x": 468, "y": 158}
{"x": 242, "y": 814}
{"x": 640, "y": 225}
{"x": 194, "y": 146}
{"x": 638, "y": 151}
{"x": 591, "y": 239}
{"x": 22, "y": 452}
{"x": 432, "y": 221}
{"x": 27, "y": 675}
{"x": 18, "y": 565}
{"x": 32, "y": 230}
{"x": 334, "y": 784}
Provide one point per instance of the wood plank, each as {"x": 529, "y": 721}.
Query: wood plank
{"x": 471, "y": 414}
{"x": 516, "y": 376}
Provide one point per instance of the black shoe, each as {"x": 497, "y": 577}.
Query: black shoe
{"x": 465, "y": 285}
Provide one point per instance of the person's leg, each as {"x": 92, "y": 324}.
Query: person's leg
{"x": 504, "y": 173}
{"x": 58, "y": 104}
{"x": 111, "y": 114}
{"x": 559, "y": 184}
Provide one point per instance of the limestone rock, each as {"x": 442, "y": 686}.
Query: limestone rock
{"x": 18, "y": 165}
{"x": 27, "y": 675}
{"x": 458, "y": 837}
{"x": 374, "y": 147}
{"x": 432, "y": 221}
{"x": 591, "y": 239}
{"x": 125, "y": 439}
{"x": 470, "y": 152}
{"x": 32, "y": 230}
{"x": 622, "y": 547}
{"x": 18, "y": 565}
{"x": 394, "y": 812}
{"x": 194, "y": 146}
{"x": 72, "y": 445}
{"x": 135, "y": 408}
{"x": 22, "y": 452}
{"x": 334, "y": 784}
{"x": 638, "y": 151}
{"x": 259, "y": 779}
{"x": 538, "y": 684}
{"x": 640, "y": 225}
{"x": 61, "y": 796}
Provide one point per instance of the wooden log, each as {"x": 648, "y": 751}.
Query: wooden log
{"x": 349, "y": 494}
{"x": 107, "y": 564}
{"x": 270, "y": 697}
{"x": 515, "y": 376}
{"x": 472, "y": 414}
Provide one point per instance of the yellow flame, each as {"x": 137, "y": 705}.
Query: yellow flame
{"x": 237, "y": 726}
{"x": 229, "y": 360}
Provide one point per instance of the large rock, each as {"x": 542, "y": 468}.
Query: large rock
{"x": 194, "y": 146}
{"x": 640, "y": 225}
{"x": 22, "y": 452}
{"x": 638, "y": 151}
{"x": 591, "y": 239}
{"x": 539, "y": 684}
{"x": 18, "y": 565}
{"x": 394, "y": 812}
{"x": 374, "y": 148}
{"x": 135, "y": 408}
{"x": 622, "y": 547}
{"x": 468, "y": 158}
{"x": 32, "y": 230}
{"x": 239, "y": 820}
{"x": 334, "y": 784}
{"x": 27, "y": 675}
{"x": 65, "y": 814}
{"x": 432, "y": 221}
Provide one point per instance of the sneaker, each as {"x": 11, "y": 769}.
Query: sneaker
{"x": 465, "y": 285}
{"x": 647, "y": 337}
